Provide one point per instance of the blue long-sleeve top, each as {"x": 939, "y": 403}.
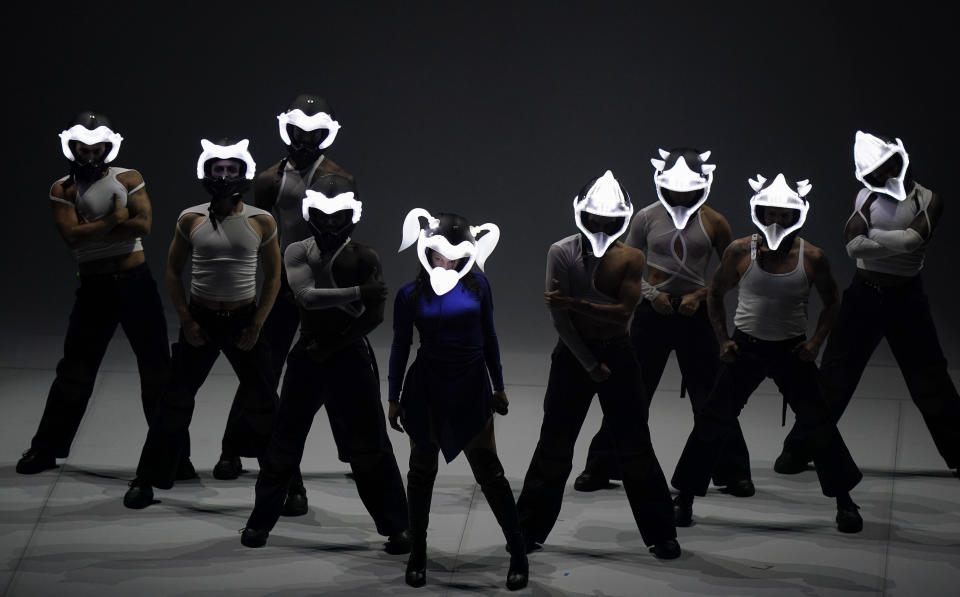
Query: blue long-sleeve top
{"x": 454, "y": 327}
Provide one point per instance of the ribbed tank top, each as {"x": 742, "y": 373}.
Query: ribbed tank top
{"x": 889, "y": 214}
{"x": 687, "y": 268}
{"x": 225, "y": 259}
{"x": 773, "y": 306}
{"x": 94, "y": 202}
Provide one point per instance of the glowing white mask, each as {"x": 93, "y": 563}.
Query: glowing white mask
{"x": 237, "y": 151}
{"x": 778, "y": 194}
{"x": 604, "y": 198}
{"x": 101, "y": 134}
{"x": 869, "y": 152}
{"x": 331, "y": 205}
{"x": 443, "y": 280}
{"x": 682, "y": 179}
{"x": 320, "y": 120}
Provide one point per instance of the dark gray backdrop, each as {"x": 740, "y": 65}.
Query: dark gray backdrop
{"x": 498, "y": 111}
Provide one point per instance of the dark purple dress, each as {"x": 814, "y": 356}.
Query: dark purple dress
{"x": 446, "y": 395}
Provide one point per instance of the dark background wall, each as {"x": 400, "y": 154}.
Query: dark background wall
{"x": 499, "y": 111}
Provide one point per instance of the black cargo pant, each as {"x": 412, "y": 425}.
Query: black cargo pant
{"x": 191, "y": 365}
{"x": 901, "y": 314}
{"x": 653, "y": 337}
{"x": 128, "y": 299}
{"x": 348, "y": 385}
{"x": 570, "y": 391}
{"x": 797, "y": 380}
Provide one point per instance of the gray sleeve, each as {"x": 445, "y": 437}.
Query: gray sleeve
{"x": 300, "y": 277}
{"x": 861, "y": 247}
{"x": 557, "y": 270}
{"x": 637, "y": 238}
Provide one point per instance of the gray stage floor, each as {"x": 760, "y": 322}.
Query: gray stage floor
{"x": 66, "y": 532}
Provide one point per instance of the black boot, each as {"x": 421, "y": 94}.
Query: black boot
{"x": 519, "y": 572}
{"x": 418, "y": 504}
{"x": 416, "y": 574}
{"x": 497, "y": 491}
{"x": 35, "y": 461}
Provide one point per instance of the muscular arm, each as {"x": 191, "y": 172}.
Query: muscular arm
{"x": 724, "y": 280}
{"x": 826, "y": 287}
{"x": 140, "y": 210}
{"x": 176, "y": 260}
{"x": 270, "y": 255}
{"x": 558, "y": 279}
{"x": 68, "y": 222}
{"x": 303, "y": 285}
{"x": 372, "y": 315}
{"x": 265, "y": 189}
{"x": 631, "y": 290}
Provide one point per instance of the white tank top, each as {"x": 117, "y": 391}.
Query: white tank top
{"x": 773, "y": 306}
{"x": 225, "y": 259}
{"x": 653, "y": 232}
{"x": 94, "y": 202}
{"x": 889, "y": 214}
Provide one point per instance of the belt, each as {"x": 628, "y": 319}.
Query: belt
{"x": 741, "y": 336}
{"x": 133, "y": 272}
{"x": 224, "y": 313}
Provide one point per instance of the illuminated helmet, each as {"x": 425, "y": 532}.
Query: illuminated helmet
{"x": 90, "y": 128}
{"x": 329, "y": 195}
{"x": 682, "y": 170}
{"x": 603, "y": 196}
{"x": 306, "y": 114}
{"x": 454, "y": 238}
{"x": 782, "y": 195}
{"x": 870, "y": 153}
{"x": 225, "y": 149}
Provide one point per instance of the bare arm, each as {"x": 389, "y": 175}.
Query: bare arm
{"x": 265, "y": 189}
{"x": 629, "y": 294}
{"x": 270, "y": 254}
{"x": 826, "y": 286}
{"x": 176, "y": 260}
{"x": 68, "y": 222}
{"x": 724, "y": 280}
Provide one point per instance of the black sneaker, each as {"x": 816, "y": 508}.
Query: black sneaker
{"x": 741, "y": 488}
{"x": 296, "y": 502}
{"x": 35, "y": 461}
{"x": 682, "y": 512}
{"x": 849, "y": 520}
{"x": 588, "y": 481}
{"x": 398, "y": 543}
{"x": 227, "y": 468}
{"x": 666, "y": 550}
{"x": 185, "y": 471}
{"x": 139, "y": 496}
{"x": 253, "y": 538}
{"x": 788, "y": 463}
